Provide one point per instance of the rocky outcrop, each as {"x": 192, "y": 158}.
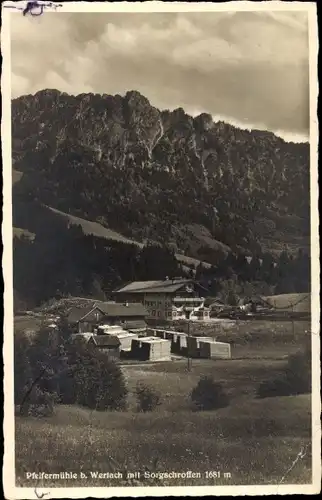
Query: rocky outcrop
{"x": 149, "y": 173}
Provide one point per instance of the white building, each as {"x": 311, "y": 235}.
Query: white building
{"x": 171, "y": 299}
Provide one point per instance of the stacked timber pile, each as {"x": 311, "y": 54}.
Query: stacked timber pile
{"x": 208, "y": 347}
{"x": 151, "y": 349}
{"x": 215, "y": 350}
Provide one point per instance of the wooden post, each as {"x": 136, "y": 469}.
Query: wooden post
{"x": 188, "y": 350}
{"x": 293, "y": 325}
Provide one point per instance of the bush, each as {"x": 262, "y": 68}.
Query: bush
{"x": 93, "y": 380}
{"x": 51, "y": 370}
{"x": 209, "y": 395}
{"x": 295, "y": 379}
{"x": 147, "y": 398}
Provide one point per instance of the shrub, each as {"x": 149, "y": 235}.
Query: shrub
{"x": 295, "y": 379}
{"x": 94, "y": 381}
{"x": 147, "y": 398}
{"x": 51, "y": 370}
{"x": 209, "y": 395}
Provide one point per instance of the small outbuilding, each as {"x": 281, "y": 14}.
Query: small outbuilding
{"x": 107, "y": 343}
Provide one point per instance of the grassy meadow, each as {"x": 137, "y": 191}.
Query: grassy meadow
{"x": 252, "y": 441}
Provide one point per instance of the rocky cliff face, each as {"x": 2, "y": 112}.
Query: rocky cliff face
{"x": 160, "y": 175}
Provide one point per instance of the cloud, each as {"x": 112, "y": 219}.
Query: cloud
{"x": 249, "y": 68}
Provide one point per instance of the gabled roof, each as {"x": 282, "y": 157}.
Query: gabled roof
{"x": 163, "y": 286}
{"x": 77, "y": 313}
{"x": 110, "y": 309}
{"x": 114, "y": 309}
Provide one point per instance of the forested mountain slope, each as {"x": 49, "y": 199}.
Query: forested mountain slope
{"x": 200, "y": 186}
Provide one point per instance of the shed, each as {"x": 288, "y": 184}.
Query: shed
{"x": 108, "y": 343}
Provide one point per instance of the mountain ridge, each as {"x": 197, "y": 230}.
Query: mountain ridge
{"x": 231, "y": 123}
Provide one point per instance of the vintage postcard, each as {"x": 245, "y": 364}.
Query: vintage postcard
{"x": 161, "y": 249}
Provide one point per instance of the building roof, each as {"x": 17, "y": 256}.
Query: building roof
{"x": 77, "y": 313}
{"x": 114, "y": 309}
{"x": 163, "y": 286}
{"x": 106, "y": 340}
{"x": 110, "y": 309}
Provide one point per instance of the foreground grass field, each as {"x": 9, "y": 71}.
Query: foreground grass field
{"x": 256, "y": 443}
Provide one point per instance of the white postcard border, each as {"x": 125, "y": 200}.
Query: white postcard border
{"x": 13, "y": 492}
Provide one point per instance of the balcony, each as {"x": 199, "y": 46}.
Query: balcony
{"x": 188, "y": 300}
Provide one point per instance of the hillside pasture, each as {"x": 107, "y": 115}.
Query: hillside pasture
{"x": 97, "y": 229}
{"x": 292, "y": 302}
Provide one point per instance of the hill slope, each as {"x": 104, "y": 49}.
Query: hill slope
{"x": 160, "y": 175}
{"x": 96, "y": 229}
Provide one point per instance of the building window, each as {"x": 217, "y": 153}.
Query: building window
{"x": 153, "y": 312}
{"x": 159, "y": 313}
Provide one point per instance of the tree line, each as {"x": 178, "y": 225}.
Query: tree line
{"x": 63, "y": 261}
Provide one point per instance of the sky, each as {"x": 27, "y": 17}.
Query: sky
{"x": 250, "y": 69}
